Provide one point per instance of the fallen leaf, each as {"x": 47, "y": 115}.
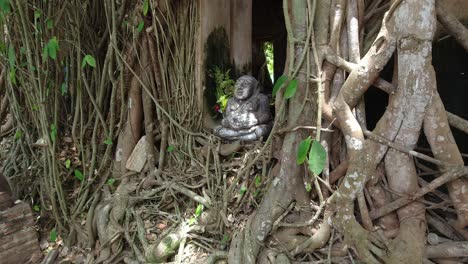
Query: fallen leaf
{"x": 161, "y": 226}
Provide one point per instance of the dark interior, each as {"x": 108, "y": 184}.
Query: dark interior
{"x": 451, "y": 65}
{"x": 268, "y": 25}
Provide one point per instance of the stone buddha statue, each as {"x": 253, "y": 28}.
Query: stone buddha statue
{"x": 247, "y": 116}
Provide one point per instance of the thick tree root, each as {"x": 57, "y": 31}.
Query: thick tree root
{"x": 406, "y": 110}
{"x": 168, "y": 246}
{"x": 364, "y": 155}
{"x": 108, "y": 218}
{"x": 246, "y": 244}
{"x": 443, "y": 145}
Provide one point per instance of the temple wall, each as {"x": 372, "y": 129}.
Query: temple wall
{"x": 241, "y": 35}
{"x": 235, "y": 16}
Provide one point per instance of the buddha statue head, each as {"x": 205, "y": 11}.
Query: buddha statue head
{"x": 245, "y": 87}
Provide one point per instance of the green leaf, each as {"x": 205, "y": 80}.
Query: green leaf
{"x": 256, "y": 192}
{"x": 308, "y": 187}
{"x": 37, "y": 14}
{"x": 13, "y": 76}
{"x": 110, "y": 181}
{"x": 242, "y": 190}
{"x": 279, "y": 83}
{"x": 108, "y": 142}
{"x": 83, "y": 62}
{"x": 53, "y": 235}
{"x": 11, "y": 56}
{"x": 64, "y": 88}
{"x": 52, "y": 48}
{"x": 36, "y": 208}
{"x": 225, "y": 239}
{"x": 145, "y": 7}
{"x": 18, "y": 134}
{"x": 199, "y": 210}
{"x": 79, "y": 175}
{"x": 88, "y": 59}
{"x": 49, "y": 23}
{"x": 53, "y": 132}
{"x": 302, "y": 150}
{"x": 258, "y": 180}
{"x": 170, "y": 149}
{"x": 317, "y": 157}
{"x": 67, "y": 163}
{"x": 5, "y": 5}
{"x": 192, "y": 221}
{"x": 140, "y": 27}
{"x": 223, "y": 102}
{"x": 45, "y": 53}
{"x": 291, "y": 89}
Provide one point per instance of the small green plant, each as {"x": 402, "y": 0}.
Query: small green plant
{"x": 316, "y": 157}
{"x": 108, "y": 142}
{"x": 170, "y": 149}
{"x": 196, "y": 215}
{"x": 269, "y": 56}
{"x": 315, "y": 154}
{"x": 37, "y": 208}
{"x": 224, "y": 88}
{"x": 110, "y": 181}
{"x": 18, "y": 134}
{"x": 53, "y": 132}
{"x": 242, "y": 190}
{"x": 258, "y": 181}
{"x": 225, "y": 239}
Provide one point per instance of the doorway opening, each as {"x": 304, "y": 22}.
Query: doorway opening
{"x": 269, "y": 39}
{"x": 450, "y": 62}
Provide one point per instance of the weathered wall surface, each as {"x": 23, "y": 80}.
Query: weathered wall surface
{"x": 241, "y": 35}
{"x": 213, "y": 14}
